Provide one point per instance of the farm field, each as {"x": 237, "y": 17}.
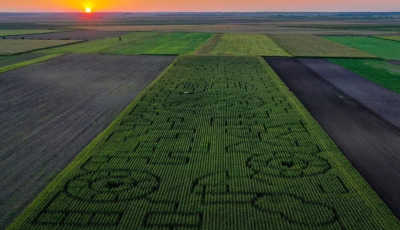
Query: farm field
{"x": 9, "y": 60}
{"x": 52, "y": 110}
{"x": 378, "y": 71}
{"x": 393, "y": 38}
{"x": 313, "y": 46}
{"x": 19, "y": 63}
{"x": 383, "y": 102}
{"x": 23, "y": 32}
{"x": 247, "y": 44}
{"x": 140, "y": 43}
{"x": 385, "y": 49}
{"x": 8, "y": 47}
{"x": 213, "y": 143}
{"x": 71, "y": 35}
{"x": 368, "y": 142}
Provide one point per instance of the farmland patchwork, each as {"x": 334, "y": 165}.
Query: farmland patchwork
{"x": 213, "y": 143}
{"x": 140, "y": 43}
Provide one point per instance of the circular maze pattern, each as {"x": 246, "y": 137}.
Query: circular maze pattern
{"x": 112, "y": 186}
{"x": 289, "y": 165}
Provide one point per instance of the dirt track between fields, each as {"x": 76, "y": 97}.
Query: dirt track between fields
{"x": 71, "y": 35}
{"x": 370, "y": 144}
{"x": 50, "y": 111}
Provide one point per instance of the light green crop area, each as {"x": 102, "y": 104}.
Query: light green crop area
{"x": 385, "y": 49}
{"x": 140, "y": 43}
{"x": 13, "y": 46}
{"x": 378, "y": 71}
{"x": 24, "y": 32}
{"x": 313, "y": 46}
{"x": 247, "y": 45}
{"x": 213, "y": 143}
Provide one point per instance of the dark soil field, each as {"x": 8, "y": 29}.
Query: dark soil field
{"x": 380, "y": 100}
{"x": 72, "y": 35}
{"x": 50, "y": 111}
{"x": 370, "y": 144}
{"x": 10, "y": 60}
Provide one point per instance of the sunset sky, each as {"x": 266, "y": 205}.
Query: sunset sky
{"x": 196, "y": 5}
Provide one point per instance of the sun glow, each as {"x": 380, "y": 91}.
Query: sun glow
{"x": 88, "y": 10}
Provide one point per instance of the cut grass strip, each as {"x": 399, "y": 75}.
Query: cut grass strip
{"x": 382, "y": 48}
{"x": 248, "y": 45}
{"x": 212, "y": 139}
{"x": 378, "y": 71}
{"x": 26, "y": 63}
{"x": 313, "y": 46}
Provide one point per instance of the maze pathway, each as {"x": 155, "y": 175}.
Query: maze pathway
{"x": 214, "y": 143}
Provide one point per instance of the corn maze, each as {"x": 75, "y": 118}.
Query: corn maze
{"x": 213, "y": 143}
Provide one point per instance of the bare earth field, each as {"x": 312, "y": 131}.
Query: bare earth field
{"x": 51, "y": 111}
{"x": 369, "y": 143}
{"x": 380, "y": 100}
{"x": 71, "y": 35}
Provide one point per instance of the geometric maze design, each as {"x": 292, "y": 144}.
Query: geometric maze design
{"x": 214, "y": 138}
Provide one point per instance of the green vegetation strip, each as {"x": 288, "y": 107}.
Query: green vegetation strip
{"x": 385, "y": 49}
{"x": 378, "y": 71}
{"x": 140, "y": 43}
{"x": 313, "y": 46}
{"x": 24, "y": 32}
{"x": 213, "y": 143}
{"x": 393, "y": 38}
{"x": 247, "y": 44}
{"x": 26, "y": 63}
{"x": 13, "y": 46}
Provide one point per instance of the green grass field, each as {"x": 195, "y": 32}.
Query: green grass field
{"x": 378, "y": 71}
{"x": 247, "y": 45}
{"x": 313, "y": 46}
{"x": 213, "y": 143}
{"x": 12, "y": 46}
{"x": 385, "y": 49}
{"x": 140, "y": 43}
{"x": 24, "y": 32}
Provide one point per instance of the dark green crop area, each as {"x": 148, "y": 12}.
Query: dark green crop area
{"x": 383, "y": 48}
{"x": 140, "y": 43}
{"x": 378, "y": 71}
{"x": 213, "y": 143}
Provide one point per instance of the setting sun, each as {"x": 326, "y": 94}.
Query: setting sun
{"x": 88, "y": 10}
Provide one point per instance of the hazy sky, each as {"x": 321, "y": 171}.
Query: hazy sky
{"x": 200, "y": 5}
